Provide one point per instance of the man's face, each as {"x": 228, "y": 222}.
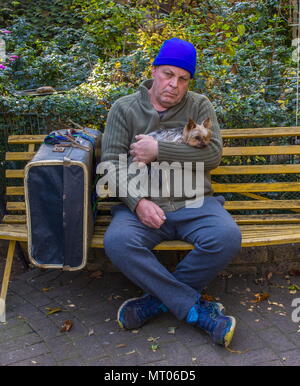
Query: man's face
{"x": 169, "y": 86}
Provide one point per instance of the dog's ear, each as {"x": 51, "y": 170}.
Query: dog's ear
{"x": 207, "y": 123}
{"x": 191, "y": 124}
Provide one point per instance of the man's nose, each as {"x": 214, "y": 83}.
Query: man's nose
{"x": 174, "y": 82}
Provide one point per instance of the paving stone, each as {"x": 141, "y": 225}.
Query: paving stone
{"x": 254, "y": 319}
{"x": 251, "y": 357}
{"x": 89, "y": 347}
{"x": 275, "y": 339}
{"x": 29, "y": 311}
{"x": 291, "y": 358}
{"x": 21, "y": 354}
{"x": 15, "y": 332}
{"x": 191, "y": 335}
{"x": 245, "y": 338}
{"x": 79, "y": 361}
{"x": 20, "y": 342}
{"x": 42, "y": 360}
{"x": 207, "y": 355}
{"x": 265, "y": 335}
{"x": 45, "y": 327}
{"x": 176, "y": 354}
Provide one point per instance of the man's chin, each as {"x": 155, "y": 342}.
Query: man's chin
{"x": 169, "y": 102}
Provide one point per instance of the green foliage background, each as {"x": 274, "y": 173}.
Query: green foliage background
{"x": 99, "y": 50}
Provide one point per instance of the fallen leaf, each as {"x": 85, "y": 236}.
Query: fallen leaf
{"x": 294, "y": 287}
{"x": 130, "y": 352}
{"x": 276, "y": 304}
{"x": 121, "y": 345}
{"x": 53, "y": 310}
{"x": 68, "y": 324}
{"x": 261, "y": 296}
{"x": 207, "y": 297}
{"x": 236, "y": 351}
{"x": 96, "y": 274}
{"x": 154, "y": 347}
{"x": 135, "y": 331}
{"x": 152, "y": 339}
{"x": 171, "y": 330}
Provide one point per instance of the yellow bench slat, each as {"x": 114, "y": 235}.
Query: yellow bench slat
{"x": 14, "y": 219}
{"x": 15, "y": 190}
{"x": 278, "y": 235}
{"x": 26, "y": 139}
{"x": 262, "y": 204}
{"x": 257, "y": 187}
{"x": 256, "y": 169}
{"x": 261, "y": 132}
{"x": 261, "y": 150}
{"x": 19, "y": 156}
{"x": 13, "y": 232}
{"x": 265, "y": 219}
{"x": 240, "y": 219}
{"x": 17, "y": 173}
{"x": 15, "y": 205}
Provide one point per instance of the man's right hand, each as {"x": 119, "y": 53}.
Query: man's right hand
{"x": 150, "y": 214}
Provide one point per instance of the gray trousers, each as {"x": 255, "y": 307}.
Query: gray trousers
{"x": 210, "y": 228}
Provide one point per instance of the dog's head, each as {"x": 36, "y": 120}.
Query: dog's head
{"x": 197, "y": 135}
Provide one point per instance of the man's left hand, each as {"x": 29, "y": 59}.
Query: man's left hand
{"x": 145, "y": 149}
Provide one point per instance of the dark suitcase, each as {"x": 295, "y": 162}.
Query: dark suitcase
{"x": 59, "y": 195}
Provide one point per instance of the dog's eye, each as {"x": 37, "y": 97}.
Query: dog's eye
{"x": 198, "y": 138}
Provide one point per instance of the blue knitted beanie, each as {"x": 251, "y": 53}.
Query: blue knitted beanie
{"x": 179, "y": 53}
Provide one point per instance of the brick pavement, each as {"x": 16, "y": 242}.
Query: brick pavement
{"x": 265, "y": 333}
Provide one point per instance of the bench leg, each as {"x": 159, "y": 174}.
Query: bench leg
{"x": 6, "y": 276}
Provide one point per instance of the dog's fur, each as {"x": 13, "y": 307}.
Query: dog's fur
{"x": 193, "y": 134}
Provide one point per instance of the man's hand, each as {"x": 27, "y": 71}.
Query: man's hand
{"x": 145, "y": 149}
{"x": 150, "y": 214}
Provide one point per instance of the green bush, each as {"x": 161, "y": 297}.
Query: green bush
{"x": 99, "y": 50}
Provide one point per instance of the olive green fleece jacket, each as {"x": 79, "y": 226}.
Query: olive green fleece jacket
{"x": 134, "y": 114}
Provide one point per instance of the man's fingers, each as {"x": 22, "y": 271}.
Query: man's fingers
{"x": 160, "y": 212}
{"x": 141, "y": 136}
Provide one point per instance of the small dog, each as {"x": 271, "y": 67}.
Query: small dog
{"x": 193, "y": 134}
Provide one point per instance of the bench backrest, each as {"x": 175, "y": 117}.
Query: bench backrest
{"x": 259, "y": 174}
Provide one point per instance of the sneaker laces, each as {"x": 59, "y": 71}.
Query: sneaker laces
{"x": 211, "y": 308}
{"x": 145, "y": 311}
{"x": 206, "y": 318}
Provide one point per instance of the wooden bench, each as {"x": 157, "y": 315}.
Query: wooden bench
{"x": 259, "y": 177}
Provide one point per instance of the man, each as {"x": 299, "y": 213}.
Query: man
{"x": 143, "y": 222}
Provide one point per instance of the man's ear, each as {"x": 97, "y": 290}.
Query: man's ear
{"x": 154, "y": 69}
{"x": 191, "y": 124}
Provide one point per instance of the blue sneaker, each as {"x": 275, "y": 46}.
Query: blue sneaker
{"x": 135, "y": 312}
{"x": 219, "y": 326}
{"x": 214, "y": 308}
